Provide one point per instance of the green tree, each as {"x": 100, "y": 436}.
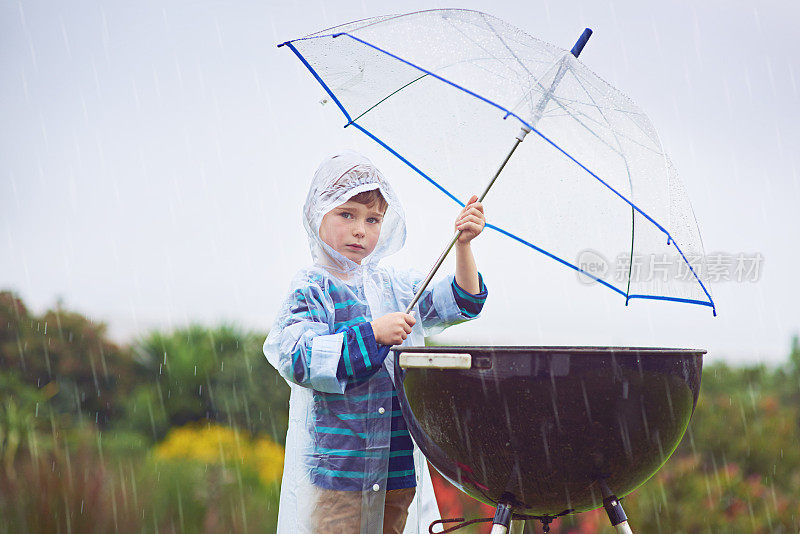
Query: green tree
{"x": 197, "y": 373}
{"x": 67, "y": 356}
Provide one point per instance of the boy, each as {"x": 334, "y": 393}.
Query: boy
{"x": 350, "y": 464}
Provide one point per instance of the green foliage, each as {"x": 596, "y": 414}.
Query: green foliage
{"x": 198, "y": 373}
{"x": 88, "y": 483}
{"x": 67, "y": 356}
{"x": 184, "y": 496}
{"x": 79, "y": 416}
{"x": 794, "y": 355}
{"x": 689, "y": 497}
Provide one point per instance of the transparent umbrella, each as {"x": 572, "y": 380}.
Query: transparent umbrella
{"x": 452, "y": 93}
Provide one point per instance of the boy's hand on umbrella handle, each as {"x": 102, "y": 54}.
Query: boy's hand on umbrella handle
{"x": 471, "y": 221}
{"x": 392, "y": 328}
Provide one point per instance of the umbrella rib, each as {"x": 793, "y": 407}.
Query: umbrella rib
{"x": 578, "y": 112}
{"x": 494, "y": 31}
{"x": 630, "y": 182}
{"x": 612, "y": 108}
{"x": 598, "y": 123}
{"x": 445, "y": 80}
{"x": 669, "y": 236}
{"x": 562, "y": 106}
{"x": 622, "y": 136}
{"x": 569, "y": 113}
{"x": 527, "y": 95}
{"x": 496, "y": 58}
{"x": 518, "y": 60}
{"x": 423, "y": 76}
{"x": 490, "y": 71}
{"x": 567, "y": 109}
{"x": 384, "y": 99}
{"x": 628, "y": 113}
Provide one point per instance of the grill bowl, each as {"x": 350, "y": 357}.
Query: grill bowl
{"x": 544, "y": 428}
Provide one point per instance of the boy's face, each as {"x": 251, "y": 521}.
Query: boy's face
{"x": 352, "y": 229}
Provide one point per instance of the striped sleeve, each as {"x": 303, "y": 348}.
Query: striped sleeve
{"x": 470, "y": 305}
{"x": 360, "y": 358}
{"x": 307, "y": 340}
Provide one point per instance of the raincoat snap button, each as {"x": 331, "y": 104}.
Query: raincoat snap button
{"x": 381, "y": 410}
{"x": 375, "y": 487}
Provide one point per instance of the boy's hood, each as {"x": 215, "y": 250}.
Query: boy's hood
{"x": 338, "y": 178}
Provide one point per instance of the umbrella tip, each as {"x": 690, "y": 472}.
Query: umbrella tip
{"x": 581, "y": 42}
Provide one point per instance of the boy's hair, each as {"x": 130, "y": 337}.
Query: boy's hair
{"x": 369, "y": 197}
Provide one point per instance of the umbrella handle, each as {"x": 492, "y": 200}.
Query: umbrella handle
{"x": 581, "y": 42}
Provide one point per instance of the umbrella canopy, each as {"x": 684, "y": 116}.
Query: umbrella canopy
{"x": 447, "y": 91}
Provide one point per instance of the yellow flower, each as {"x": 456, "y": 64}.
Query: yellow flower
{"x": 216, "y": 444}
{"x": 268, "y": 456}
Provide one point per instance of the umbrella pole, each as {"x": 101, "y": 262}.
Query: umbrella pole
{"x": 576, "y": 51}
{"x": 520, "y": 136}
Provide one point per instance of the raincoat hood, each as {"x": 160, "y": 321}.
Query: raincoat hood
{"x": 340, "y": 177}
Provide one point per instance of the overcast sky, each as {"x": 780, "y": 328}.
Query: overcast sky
{"x": 154, "y": 157}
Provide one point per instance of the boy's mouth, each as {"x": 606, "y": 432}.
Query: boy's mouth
{"x": 355, "y": 246}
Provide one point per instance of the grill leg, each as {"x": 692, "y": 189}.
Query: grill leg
{"x": 502, "y": 519}
{"x": 614, "y": 510}
{"x": 617, "y": 515}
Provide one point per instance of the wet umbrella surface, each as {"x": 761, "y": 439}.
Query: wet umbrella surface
{"x": 543, "y": 428}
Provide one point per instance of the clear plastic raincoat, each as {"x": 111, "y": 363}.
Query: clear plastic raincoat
{"x": 346, "y": 431}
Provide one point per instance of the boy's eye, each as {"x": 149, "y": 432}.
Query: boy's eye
{"x": 373, "y": 220}
{"x": 346, "y": 215}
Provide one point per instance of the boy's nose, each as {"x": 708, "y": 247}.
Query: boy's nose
{"x": 359, "y": 230}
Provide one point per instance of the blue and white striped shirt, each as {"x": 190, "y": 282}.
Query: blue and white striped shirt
{"x": 345, "y": 442}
